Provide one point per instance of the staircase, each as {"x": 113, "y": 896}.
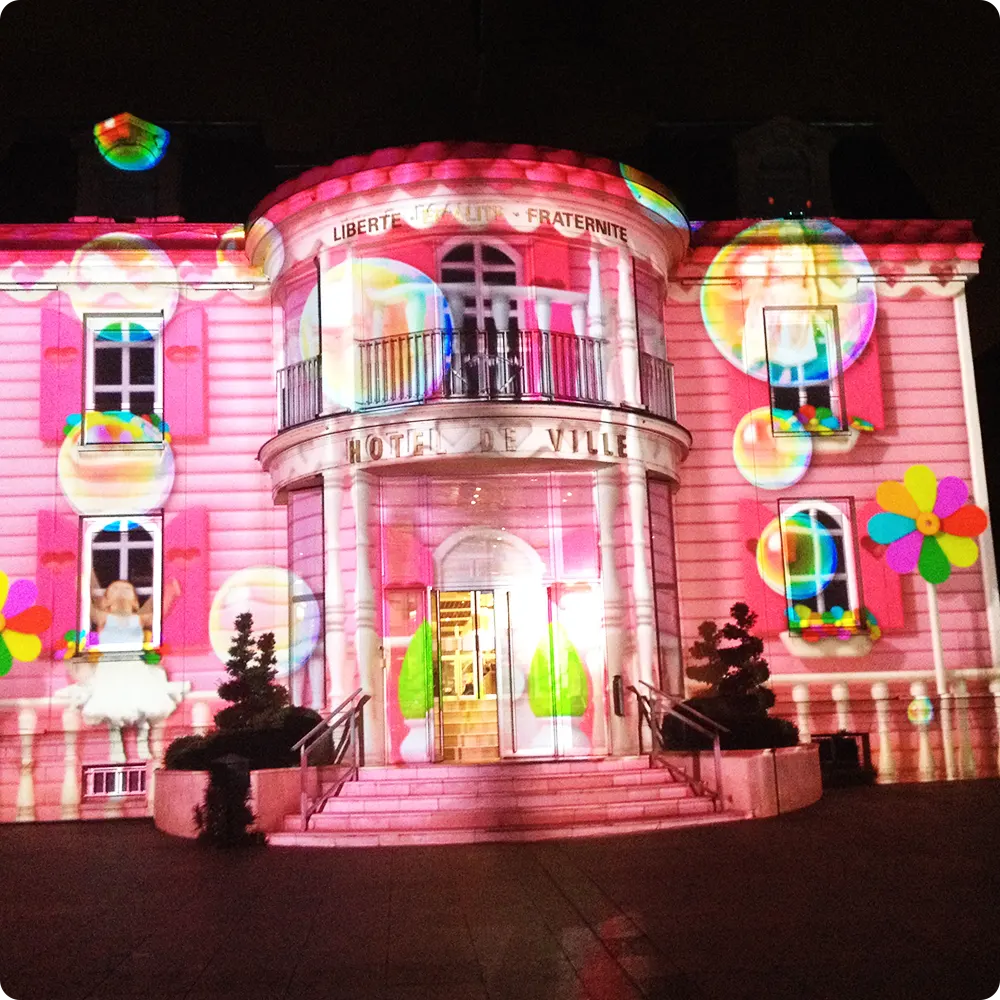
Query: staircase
{"x": 509, "y": 801}
{"x": 470, "y": 730}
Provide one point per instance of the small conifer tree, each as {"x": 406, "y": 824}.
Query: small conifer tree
{"x": 735, "y": 669}
{"x": 256, "y": 700}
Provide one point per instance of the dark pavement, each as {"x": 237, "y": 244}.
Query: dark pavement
{"x": 873, "y": 893}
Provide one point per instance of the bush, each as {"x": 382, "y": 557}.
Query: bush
{"x": 749, "y": 728}
{"x": 270, "y": 746}
{"x": 224, "y": 819}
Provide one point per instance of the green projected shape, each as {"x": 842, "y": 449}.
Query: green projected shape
{"x": 570, "y": 696}
{"x": 415, "y": 680}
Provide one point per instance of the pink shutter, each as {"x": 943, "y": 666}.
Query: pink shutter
{"x": 185, "y": 559}
{"x": 883, "y": 591}
{"x": 863, "y": 387}
{"x": 60, "y": 371}
{"x": 770, "y": 606}
{"x": 185, "y": 376}
{"x": 57, "y": 561}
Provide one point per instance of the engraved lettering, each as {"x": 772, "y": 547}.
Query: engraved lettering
{"x": 591, "y": 449}
{"x": 509, "y": 439}
{"x": 485, "y": 439}
{"x": 353, "y": 450}
{"x": 556, "y": 436}
{"x": 621, "y": 446}
{"x": 394, "y": 440}
{"x": 607, "y": 445}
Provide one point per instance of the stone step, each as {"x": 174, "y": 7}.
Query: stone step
{"x": 475, "y": 728}
{"x": 474, "y": 754}
{"x": 508, "y": 769}
{"x": 402, "y": 838}
{"x": 467, "y": 739}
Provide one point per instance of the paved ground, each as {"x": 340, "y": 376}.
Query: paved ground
{"x": 873, "y": 893}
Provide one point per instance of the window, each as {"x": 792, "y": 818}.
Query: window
{"x": 108, "y": 781}
{"x": 124, "y": 380}
{"x": 475, "y": 273}
{"x": 820, "y": 562}
{"x": 802, "y": 345}
{"x": 122, "y": 570}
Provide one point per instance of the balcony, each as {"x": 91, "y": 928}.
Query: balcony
{"x": 438, "y": 365}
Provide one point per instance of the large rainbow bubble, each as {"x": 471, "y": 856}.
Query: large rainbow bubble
{"x": 264, "y": 592}
{"x": 376, "y": 299}
{"x": 109, "y": 480}
{"x": 122, "y": 272}
{"x": 650, "y": 194}
{"x": 768, "y": 461}
{"x": 794, "y": 265}
{"x": 807, "y": 553}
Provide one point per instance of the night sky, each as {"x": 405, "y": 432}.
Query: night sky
{"x": 330, "y": 80}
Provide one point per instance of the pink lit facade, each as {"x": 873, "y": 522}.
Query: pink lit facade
{"x": 485, "y": 432}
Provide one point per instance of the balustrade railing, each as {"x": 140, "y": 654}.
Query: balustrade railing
{"x": 431, "y": 365}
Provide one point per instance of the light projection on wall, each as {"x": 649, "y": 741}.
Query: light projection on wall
{"x": 557, "y": 678}
{"x": 789, "y": 263}
{"x": 920, "y": 711}
{"x": 415, "y": 678}
{"x": 771, "y": 461}
{"x": 130, "y": 143}
{"x": 107, "y": 481}
{"x": 806, "y": 556}
{"x": 21, "y": 622}
{"x": 837, "y": 623}
{"x": 383, "y": 298}
{"x": 647, "y": 192}
{"x": 122, "y": 272}
{"x": 264, "y": 592}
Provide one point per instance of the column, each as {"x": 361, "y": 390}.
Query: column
{"x": 623, "y": 734}
{"x": 800, "y": 695}
{"x": 595, "y": 304}
{"x": 966, "y": 758}
{"x": 201, "y": 718}
{"x": 367, "y": 647}
{"x": 628, "y": 336}
{"x": 842, "y": 699}
{"x": 69, "y": 798}
{"x": 642, "y": 572}
{"x": 925, "y": 761}
{"x": 27, "y": 721}
{"x": 339, "y": 679}
{"x": 886, "y": 760}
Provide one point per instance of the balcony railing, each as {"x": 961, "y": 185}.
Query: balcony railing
{"x": 432, "y": 365}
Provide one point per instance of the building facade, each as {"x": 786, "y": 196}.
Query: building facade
{"x": 485, "y": 432}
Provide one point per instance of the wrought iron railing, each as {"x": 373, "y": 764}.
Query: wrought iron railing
{"x": 653, "y": 709}
{"x": 430, "y": 365}
{"x": 331, "y": 753}
{"x": 656, "y": 382}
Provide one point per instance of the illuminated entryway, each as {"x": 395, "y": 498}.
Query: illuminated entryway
{"x": 465, "y": 680}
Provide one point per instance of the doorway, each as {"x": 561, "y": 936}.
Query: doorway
{"x": 465, "y": 675}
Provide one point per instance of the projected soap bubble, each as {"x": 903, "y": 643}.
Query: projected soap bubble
{"x": 265, "y": 592}
{"x": 130, "y": 143}
{"x": 807, "y": 554}
{"x": 648, "y": 193}
{"x": 766, "y": 460}
{"x": 920, "y": 711}
{"x": 110, "y": 480}
{"x": 377, "y": 299}
{"x": 813, "y": 282}
{"x": 122, "y": 272}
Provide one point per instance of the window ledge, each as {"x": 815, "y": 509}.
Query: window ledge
{"x": 829, "y": 647}
{"x": 836, "y": 443}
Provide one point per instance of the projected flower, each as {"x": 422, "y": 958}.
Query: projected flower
{"x": 21, "y": 622}
{"x": 927, "y": 524}
{"x": 73, "y": 642}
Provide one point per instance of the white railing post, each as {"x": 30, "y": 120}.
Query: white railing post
{"x": 800, "y": 695}
{"x": 841, "y": 696}
{"x": 886, "y": 761}
{"x": 27, "y": 721}
{"x": 925, "y": 760}
{"x": 69, "y": 798}
{"x": 966, "y": 758}
{"x": 201, "y": 717}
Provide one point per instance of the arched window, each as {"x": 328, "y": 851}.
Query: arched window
{"x": 472, "y": 275}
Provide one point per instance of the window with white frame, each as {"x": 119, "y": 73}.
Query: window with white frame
{"x": 473, "y": 276}
{"x": 820, "y": 558}
{"x": 124, "y": 379}
{"x": 805, "y": 373}
{"x": 122, "y": 569}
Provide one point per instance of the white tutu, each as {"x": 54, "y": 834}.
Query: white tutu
{"x": 124, "y": 692}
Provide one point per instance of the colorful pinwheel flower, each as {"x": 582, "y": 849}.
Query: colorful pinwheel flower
{"x": 927, "y": 524}
{"x": 70, "y": 644}
{"x": 21, "y": 622}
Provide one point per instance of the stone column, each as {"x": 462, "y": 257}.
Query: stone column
{"x": 367, "y": 647}
{"x": 69, "y": 798}
{"x": 201, "y": 718}
{"x": 800, "y": 695}
{"x": 339, "y": 679}
{"x": 623, "y": 734}
{"x": 966, "y": 758}
{"x": 842, "y": 699}
{"x": 27, "y": 721}
{"x": 925, "y": 760}
{"x": 886, "y": 761}
{"x": 628, "y": 335}
{"x": 646, "y": 665}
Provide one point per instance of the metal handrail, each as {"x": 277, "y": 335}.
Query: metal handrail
{"x": 340, "y": 733}
{"x": 653, "y": 708}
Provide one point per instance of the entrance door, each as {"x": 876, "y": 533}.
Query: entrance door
{"x": 465, "y": 682}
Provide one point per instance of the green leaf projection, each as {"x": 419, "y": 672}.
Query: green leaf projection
{"x": 415, "y": 680}
{"x": 570, "y": 675}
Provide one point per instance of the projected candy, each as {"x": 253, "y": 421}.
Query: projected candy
{"x": 264, "y": 592}
{"x": 373, "y": 299}
{"x": 122, "y": 272}
{"x": 768, "y": 461}
{"x": 107, "y": 481}
{"x": 804, "y": 560}
{"x": 129, "y": 143}
{"x": 651, "y": 195}
{"x": 803, "y": 272}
